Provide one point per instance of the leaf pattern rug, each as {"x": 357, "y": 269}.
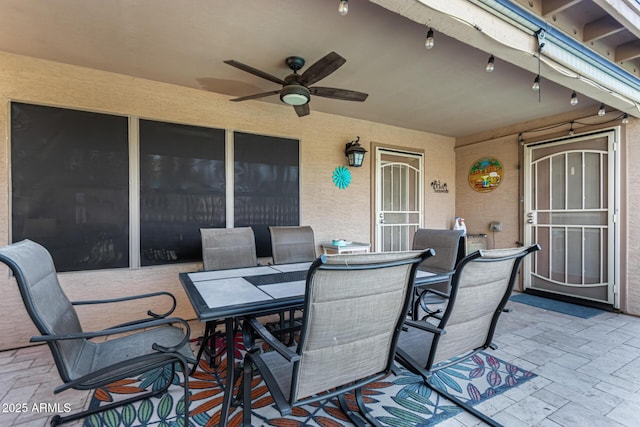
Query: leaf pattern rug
{"x": 396, "y": 401}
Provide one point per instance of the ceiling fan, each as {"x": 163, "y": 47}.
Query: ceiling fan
{"x": 296, "y": 90}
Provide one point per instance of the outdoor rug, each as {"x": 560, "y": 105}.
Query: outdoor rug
{"x": 557, "y": 306}
{"x": 397, "y": 401}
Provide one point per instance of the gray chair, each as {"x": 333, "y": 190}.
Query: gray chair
{"x": 481, "y": 286}
{"x": 224, "y": 248}
{"x": 152, "y": 342}
{"x": 353, "y": 312}
{"x": 228, "y": 248}
{"x": 292, "y": 244}
{"x": 449, "y": 247}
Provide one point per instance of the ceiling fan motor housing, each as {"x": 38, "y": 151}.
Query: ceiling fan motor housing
{"x": 295, "y": 63}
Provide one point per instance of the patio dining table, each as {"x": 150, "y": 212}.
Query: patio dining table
{"x": 252, "y": 291}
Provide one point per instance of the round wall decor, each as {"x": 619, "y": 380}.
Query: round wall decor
{"x": 341, "y": 177}
{"x": 485, "y": 174}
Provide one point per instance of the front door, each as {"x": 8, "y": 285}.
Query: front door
{"x": 399, "y": 206}
{"x": 570, "y": 210}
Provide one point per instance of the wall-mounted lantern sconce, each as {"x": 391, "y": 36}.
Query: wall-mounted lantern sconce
{"x": 355, "y": 153}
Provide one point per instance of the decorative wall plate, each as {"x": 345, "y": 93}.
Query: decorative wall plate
{"x": 485, "y": 174}
{"x": 341, "y": 177}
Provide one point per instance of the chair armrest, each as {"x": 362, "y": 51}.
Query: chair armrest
{"x": 259, "y": 328}
{"x": 435, "y": 291}
{"x": 425, "y": 326}
{"x": 124, "y": 329}
{"x": 134, "y": 297}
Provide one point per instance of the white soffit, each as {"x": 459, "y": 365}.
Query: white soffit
{"x": 511, "y": 33}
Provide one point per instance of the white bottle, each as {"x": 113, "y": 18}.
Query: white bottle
{"x": 459, "y": 224}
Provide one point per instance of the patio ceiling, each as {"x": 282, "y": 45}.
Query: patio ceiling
{"x": 444, "y": 90}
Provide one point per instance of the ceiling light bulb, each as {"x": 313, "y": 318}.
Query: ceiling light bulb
{"x": 625, "y": 119}
{"x": 574, "y": 98}
{"x": 490, "y": 65}
{"x": 601, "y": 111}
{"x": 343, "y": 7}
{"x": 429, "y": 41}
{"x": 571, "y": 129}
{"x": 536, "y": 83}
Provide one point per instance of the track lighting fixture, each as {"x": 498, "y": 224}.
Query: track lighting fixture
{"x": 571, "y": 129}
{"x": 574, "y": 98}
{"x": 536, "y": 83}
{"x": 428, "y": 43}
{"x": 343, "y": 7}
{"x": 625, "y": 119}
{"x": 490, "y": 65}
{"x": 601, "y": 111}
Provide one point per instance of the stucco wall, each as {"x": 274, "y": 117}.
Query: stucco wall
{"x": 504, "y": 204}
{"x": 630, "y": 218}
{"x": 480, "y": 209}
{"x": 330, "y": 211}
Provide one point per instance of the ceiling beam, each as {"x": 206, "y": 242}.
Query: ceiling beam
{"x": 551, "y": 7}
{"x": 600, "y": 28}
{"x": 624, "y": 11}
{"x": 627, "y": 51}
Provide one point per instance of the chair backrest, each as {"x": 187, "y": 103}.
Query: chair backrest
{"x": 228, "y": 248}
{"x": 45, "y": 301}
{"x": 354, "y": 309}
{"x": 292, "y": 244}
{"x": 480, "y": 288}
{"x": 447, "y": 245}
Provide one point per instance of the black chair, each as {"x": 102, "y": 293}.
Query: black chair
{"x": 481, "y": 286}
{"x": 151, "y": 342}
{"x": 353, "y": 312}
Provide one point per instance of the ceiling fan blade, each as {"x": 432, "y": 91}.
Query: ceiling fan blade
{"x": 254, "y": 96}
{"x": 302, "y": 110}
{"x": 322, "y": 68}
{"x": 335, "y": 93}
{"x": 254, "y": 71}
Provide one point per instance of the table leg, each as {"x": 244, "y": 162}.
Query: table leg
{"x": 231, "y": 368}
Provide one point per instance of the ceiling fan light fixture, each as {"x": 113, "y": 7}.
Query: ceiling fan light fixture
{"x": 294, "y": 95}
{"x": 343, "y": 7}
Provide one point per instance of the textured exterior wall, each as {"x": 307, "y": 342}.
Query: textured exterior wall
{"x": 331, "y": 212}
{"x": 479, "y": 209}
{"x": 504, "y": 204}
{"x": 630, "y": 218}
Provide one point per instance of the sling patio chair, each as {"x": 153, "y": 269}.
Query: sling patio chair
{"x": 150, "y": 343}
{"x": 224, "y": 248}
{"x": 449, "y": 247}
{"x": 354, "y": 309}
{"x": 228, "y": 248}
{"x": 480, "y": 288}
{"x": 291, "y": 244}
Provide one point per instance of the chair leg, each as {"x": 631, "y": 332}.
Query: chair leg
{"x": 363, "y": 410}
{"x": 464, "y": 406}
{"x": 59, "y": 420}
{"x": 353, "y": 416}
{"x": 247, "y": 376}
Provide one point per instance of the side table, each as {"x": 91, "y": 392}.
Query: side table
{"x": 350, "y": 247}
